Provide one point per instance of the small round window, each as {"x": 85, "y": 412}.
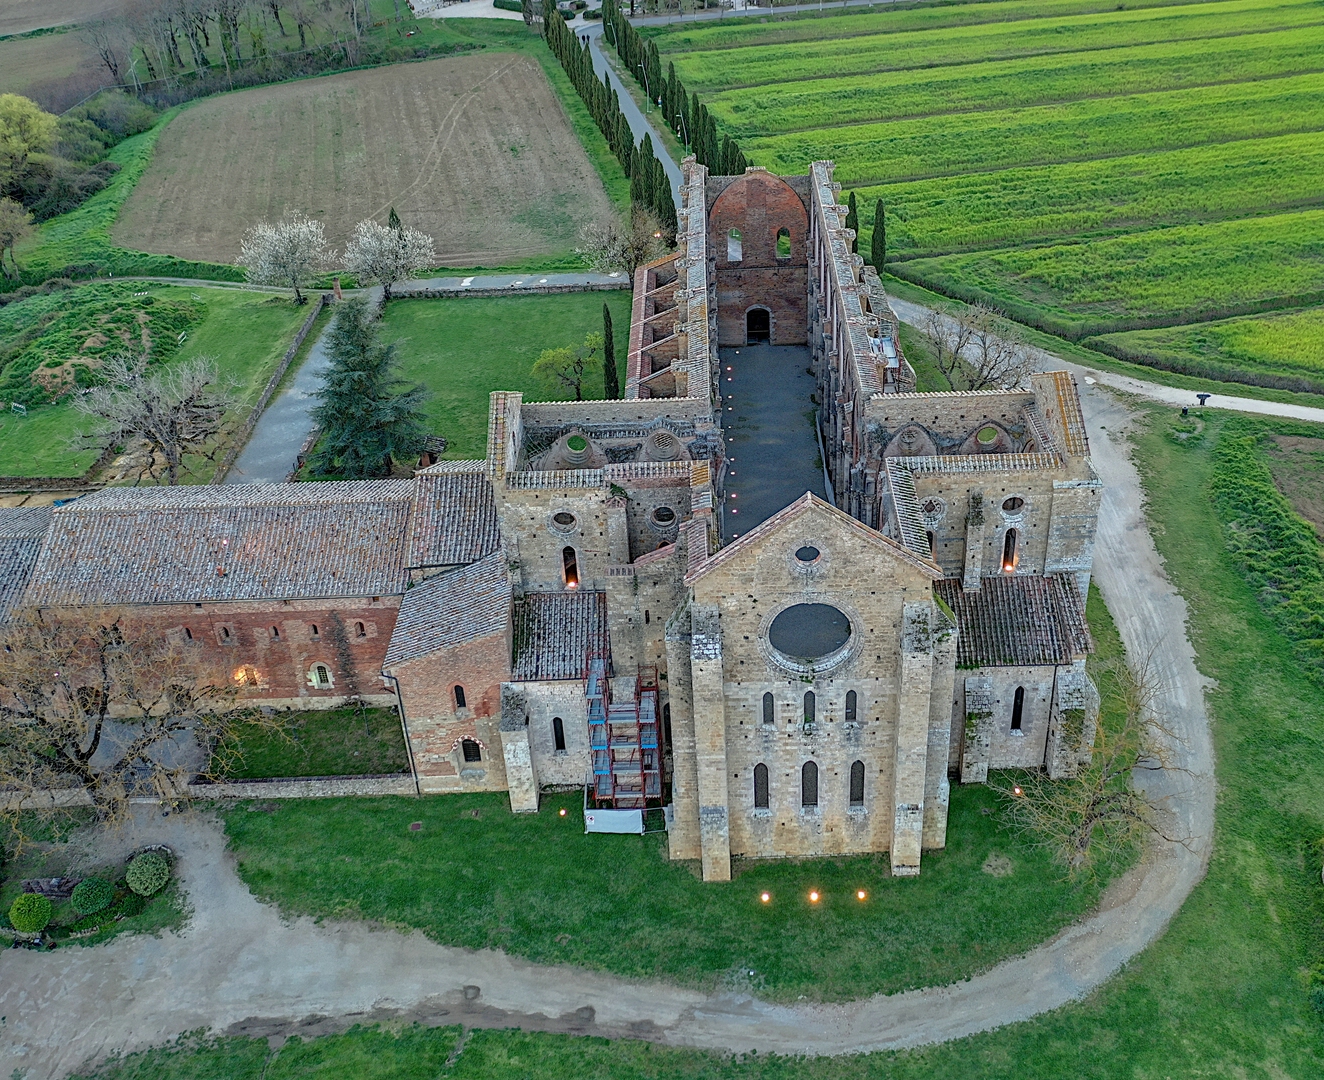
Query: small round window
{"x": 563, "y": 520}
{"x": 809, "y": 632}
{"x": 1013, "y": 505}
{"x": 664, "y": 516}
{"x": 807, "y": 554}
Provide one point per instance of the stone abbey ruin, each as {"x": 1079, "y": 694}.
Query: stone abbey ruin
{"x": 792, "y": 639}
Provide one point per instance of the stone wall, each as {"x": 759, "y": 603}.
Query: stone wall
{"x": 541, "y": 701}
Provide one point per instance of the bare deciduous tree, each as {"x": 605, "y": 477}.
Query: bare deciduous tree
{"x": 290, "y": 252}
{"x": 1093, "y": 816}
{"x": 384, "y": 255}
{"x": 15, "y": 226}
{"x": 977, "y": 349}
{"x": 91, "y": 703}
{"x": 176, "y": 411}
{"x": 609, "y": 246}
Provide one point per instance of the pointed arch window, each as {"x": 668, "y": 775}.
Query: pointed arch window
{"x": 558, "y": 734}
{"x": 471, "y": 750}
{"x": 769, "y": 710}
{"x": 1010, "y": 554}
{"x": 1018, "y": 709}
{"x": 570, "y": 567}
{"x": 783, "y": 243}
{"x": 811, "y": 706}
{"x": 760, "y": 787}
{"x": 809, "y": 784}
{"x": 857, "y": 783}
{"x": 852, "y": 702}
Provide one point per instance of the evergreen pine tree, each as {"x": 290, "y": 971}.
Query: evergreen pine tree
{"x": 853, "y": 222}
{"x": 368, "y": 416}
{"x": 610, "y": 382}
{"x": 878, "y": 252}
{"x": 393, "y": 220}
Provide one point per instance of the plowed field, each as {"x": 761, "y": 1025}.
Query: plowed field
{"x": 476, "y": 151}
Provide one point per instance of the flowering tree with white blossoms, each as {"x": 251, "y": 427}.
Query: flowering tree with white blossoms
{"x": 385, "y": 254}
{"x": 289, "y": 252}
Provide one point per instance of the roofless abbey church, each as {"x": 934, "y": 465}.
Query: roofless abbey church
{"x": 791, "y": 628}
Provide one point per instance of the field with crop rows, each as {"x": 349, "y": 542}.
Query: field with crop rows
{"x": 1183, "y": 141}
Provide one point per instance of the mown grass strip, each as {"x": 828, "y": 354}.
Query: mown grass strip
{"x": 1003, "y": 84}
{"x": 1165, "y": 277}
{"x": 755, "y": 65}
{"x": 1176, "y": 187}
{"x": 1044, "y": 134}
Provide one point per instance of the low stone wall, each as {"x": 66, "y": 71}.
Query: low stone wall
{"x": 307, "y": 787}
{"x": 399, "y": 293}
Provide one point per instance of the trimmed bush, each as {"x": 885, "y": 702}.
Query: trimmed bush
{"x": 92, "y": 895}
{"x": 510, "y": 5}
{"x": 30, "y": 913}
{"x": 148, "y": 873}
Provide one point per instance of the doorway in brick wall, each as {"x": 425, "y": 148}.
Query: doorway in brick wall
{"x": 758, "y": 326}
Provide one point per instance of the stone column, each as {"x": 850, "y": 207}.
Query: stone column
{"x": 710, "y": 743}
{"x": 912, "y": 736}
{"x": 974, "y": 542}
{"x": 937, "y": 790}
{"x": 975, "y": 746}
{"x": 521, "y": 777}
{"x": 683, "y": 837}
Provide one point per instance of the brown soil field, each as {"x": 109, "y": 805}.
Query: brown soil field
{"x": 55, "y": 70}
{"x": 20, "y": 16}
{"x": 1297, "y": 465}
{"x": 475, "y": 151}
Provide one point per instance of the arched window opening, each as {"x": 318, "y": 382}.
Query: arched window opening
{"x": 933, "y": 543}
{"x": 225, "y": 633}
{"x": 459, "y": 697}
{"x": 646, "y": 617}
{"x": 558, "y": 734}
{"x": 321, "y": 675}
{"x": 810, "y": 705}
{"x": 735, "y": 246}
{"x": 188, "y": 633}
{"x": 471, "y": 750}
{"x": 666, "y": 723}
{"x": 570, "y": 567}
{"x": 857, "y": 783}
{"x": 760, "y": 787}
{"x": 809, "y": 784}
{"x": 769, "y": 710}
{"x": 758, "y": 326}
{"x": 314, "y": 626}
{"x": 275, "y": 633}
{"x": 851, "y": 701}
{"x": 360, "y": 630}
{"x": 783, "y": 243}
{"x": 1018, "y": 708}
{"x": 1009, "y": 552}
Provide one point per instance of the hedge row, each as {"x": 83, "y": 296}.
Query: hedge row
{"x": 1279, "y": 553}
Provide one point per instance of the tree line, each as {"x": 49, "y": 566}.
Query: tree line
{"x": 685, "y": 114}
{"x": 649, "y": 186}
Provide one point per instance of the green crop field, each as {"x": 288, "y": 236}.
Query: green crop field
{"x": 1090, "y": 169}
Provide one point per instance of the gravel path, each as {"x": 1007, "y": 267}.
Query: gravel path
{"x": 239, "y": 967}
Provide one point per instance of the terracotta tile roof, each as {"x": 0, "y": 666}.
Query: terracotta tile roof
{"x": 450, "y": 609}
{"x": 455, "y": 518}
{"x": 234, "y": 542}
{"x": 556, "y": 633}
{"x": 1011, "y": 621}
{"x": 21, "y": 533}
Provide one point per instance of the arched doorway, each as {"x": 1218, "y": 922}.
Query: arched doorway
{"x": 758, "y": 326}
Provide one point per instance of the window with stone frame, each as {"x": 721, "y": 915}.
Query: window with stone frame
{"x": 760, "y": 787}
{"x": 809, "y": 784}
{"x": 471, "y": 751}
{"x": 857, "y": 783}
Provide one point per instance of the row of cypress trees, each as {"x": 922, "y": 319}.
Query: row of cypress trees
{"x": 685, "y": 114}
{"x": 649, "y": 186}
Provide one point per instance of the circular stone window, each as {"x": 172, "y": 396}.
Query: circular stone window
{"x": 563, "y": 520}
{"x": 1013, "y": 505}
{"x": 809, "y": 633}
{"x": 807, "y": 554}
{"x": 577, "y": 442}
{"x": 664, "y": 517}
{"x": 987, "y": 436}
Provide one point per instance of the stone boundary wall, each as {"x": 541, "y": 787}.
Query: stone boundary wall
{"x": 307, "y": 787}
{"x": 241, "y": 437}
{"x": 509, "y": 290}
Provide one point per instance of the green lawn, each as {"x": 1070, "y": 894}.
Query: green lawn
{"x": 322, "y": 742}
{"x": 246, "y": 332}
{"x": 463, "y": 349}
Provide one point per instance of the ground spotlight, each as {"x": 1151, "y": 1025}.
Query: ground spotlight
{"x": 813, "y": 896}
{"x": 766, "y": 897}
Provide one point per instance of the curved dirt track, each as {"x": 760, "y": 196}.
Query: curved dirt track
{"x": 237, "y": 966}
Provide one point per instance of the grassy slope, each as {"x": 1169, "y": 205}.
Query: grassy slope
{"x": 324, "y": 742}
{"x": 1221, "y": 994}
{"x": 246, "y": 333}
{"x": 464, "y": 349}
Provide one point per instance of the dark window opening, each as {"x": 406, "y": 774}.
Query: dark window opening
{"x": 1013, "y": 504}
{"x": 809, "y": 784}
{"x": 1018, "y": 708}
{"x": 188, "y": 633}
{"x": 646, "y": 618}
{"x": 760, "y": 787}
{"x": 360, "y": 630}
{"x": 806, "y": 632}
{"x": 807, "y": 554}
{"x": 857, "y": 783}
{"x": 1009, "y": 553}
{"x": 851, "y": 701}
{"x": 275, "y": 633}
{"x": 472, "y": 751}
{"x": 314, "y": 626}
{"x": 558, "y": 733}
{"x": 664, "y": 516}
{"x": 783, "y": 243}
{"x": 666, "y": 723}
{"x": 769, "y": 710}
{"x": 322, "y": 674}
{"x": 810, "y": 703}
{"x": 459, "y": 697}
{"x": 933, "y": 542}
{"x": 758, "y": 327}
{"x": 570, "y": 565}
{"x": 564, "y": 519}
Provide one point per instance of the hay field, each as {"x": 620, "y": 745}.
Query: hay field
{"x": 22, "y": 16}
{"x": 44, "y": 66}
{"x": 476, "y": 151}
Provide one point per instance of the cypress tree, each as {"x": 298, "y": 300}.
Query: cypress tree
{"x": 853, "y": 222}
{"x": 878, "y": 252}
{"x": 610, "y": 383}
{"x": 367, "y": 414}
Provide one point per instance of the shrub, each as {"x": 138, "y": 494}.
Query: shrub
{"x": 92, "y": 895}
{"x": 30, "y": 913}
{"x": 509, "y": 5}
{"x": 148, "y": 873}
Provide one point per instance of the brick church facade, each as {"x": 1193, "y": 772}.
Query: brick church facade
{"x": 572, "y": 610}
